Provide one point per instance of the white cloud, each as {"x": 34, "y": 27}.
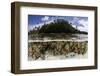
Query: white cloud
{"x": 31, "y": 27}
{"x": 45, "y": 18}
{"x": 81, "y": 28}
{"x": 53, "y": 18}
{"x": 75, "y": 19}
{"x": 82, "y": 24}
{"x": 74, "y": 26}
{"x": 48, "y": 22}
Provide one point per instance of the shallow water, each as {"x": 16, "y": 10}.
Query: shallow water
{"x": 75, "y": 37}
{"x": 71, "y": 55}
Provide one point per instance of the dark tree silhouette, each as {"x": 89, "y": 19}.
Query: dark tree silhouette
{"x": 58, "y": 26}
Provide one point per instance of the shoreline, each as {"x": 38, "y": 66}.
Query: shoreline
{"x": 29, "y": 41}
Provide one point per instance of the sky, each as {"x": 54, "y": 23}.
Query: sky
{"x": 39, "y": 20}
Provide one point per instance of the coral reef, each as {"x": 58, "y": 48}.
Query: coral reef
{"x": 38, "y": 50}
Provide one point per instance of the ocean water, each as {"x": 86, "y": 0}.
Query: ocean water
{"x": 73, "y": 37}
{"x": 71, "y": 55}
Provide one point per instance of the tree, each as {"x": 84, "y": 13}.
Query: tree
{"x": 58, "y": 26}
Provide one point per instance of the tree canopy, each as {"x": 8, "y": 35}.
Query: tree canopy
{"x": 58, "y": 26}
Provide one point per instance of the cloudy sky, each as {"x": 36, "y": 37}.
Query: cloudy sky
{"x": 39, "y": 20}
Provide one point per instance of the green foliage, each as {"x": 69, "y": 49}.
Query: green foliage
{"x": 58, "y": 26}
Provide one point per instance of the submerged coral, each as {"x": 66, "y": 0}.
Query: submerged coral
{"x": 40, "y": 50}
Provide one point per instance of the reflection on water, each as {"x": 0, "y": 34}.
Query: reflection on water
{"x": 80, "y": 37}
{"x": 65, "y": 37}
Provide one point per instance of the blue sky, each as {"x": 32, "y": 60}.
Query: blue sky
{"x": 37, "y": 20}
